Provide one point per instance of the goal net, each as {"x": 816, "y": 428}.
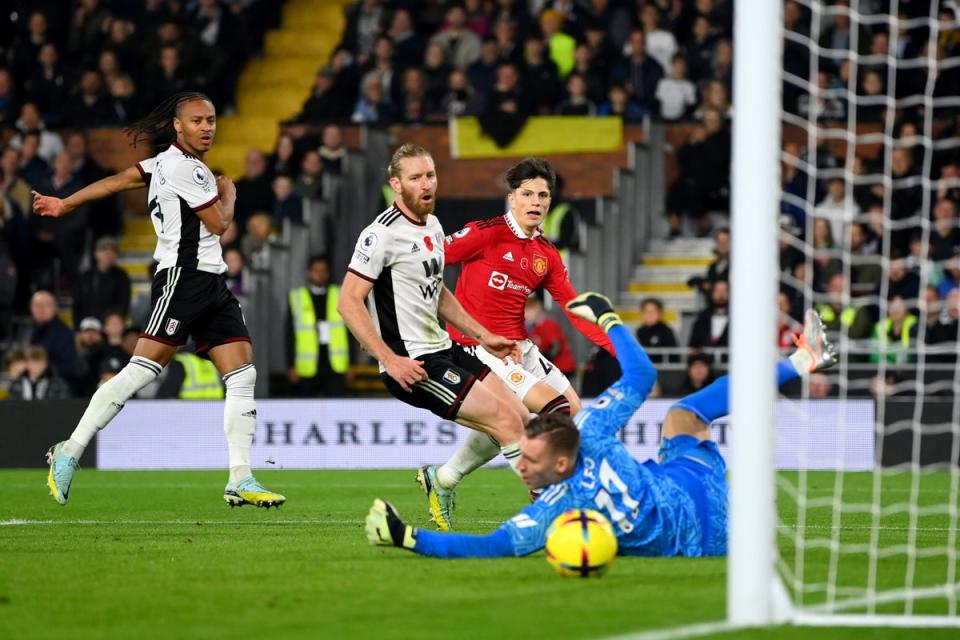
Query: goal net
{"x": 870, "y": 189}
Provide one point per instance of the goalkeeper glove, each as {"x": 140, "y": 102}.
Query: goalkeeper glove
{"x": 384, "y": 527}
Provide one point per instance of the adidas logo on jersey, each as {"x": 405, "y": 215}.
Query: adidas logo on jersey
{"x": 416, "y": 248}
{"x": 508, "y": 256}
{"x": 249, "y": 414}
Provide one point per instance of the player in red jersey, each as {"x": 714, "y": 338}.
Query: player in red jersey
{"x": 505, "y": 259}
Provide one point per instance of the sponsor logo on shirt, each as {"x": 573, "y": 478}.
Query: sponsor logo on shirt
{"x": 451, "y": 376}
{"x": 416, "y": 248}
{"x": 199, "y": 176}
{"x": 498, "y": 280}
{"x": 361, "y": 257}
{"x": 508, "y": 256}
{"x": 369, "y": 241}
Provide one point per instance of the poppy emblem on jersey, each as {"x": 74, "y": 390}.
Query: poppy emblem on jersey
{"x": 172, "y": 325}
{"x": 451, "y": 376}
{"x": 539, "y": 265}
{"x": 516, "y": 377}
{"x": 524, "y": 263}
{"x": 428, "y": 243}
{"x": 199, "y": 176}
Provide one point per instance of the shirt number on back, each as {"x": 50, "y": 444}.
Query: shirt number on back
{"x": 628, "y": 508}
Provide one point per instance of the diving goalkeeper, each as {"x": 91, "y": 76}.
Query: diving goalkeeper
{"x": 674, "y": 506}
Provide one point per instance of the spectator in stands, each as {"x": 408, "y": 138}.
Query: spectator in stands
{"x": 23, "y": 54}
{"x": 372, "y": 106}
{"x": 365, "y": 20}
{"x": 235, "y": 262}
{"x": 283, "y": 161}
{"x": 15, "y": 365}
{"x": 316, "y": 339}
{"x": 661, "y": 43}
{"x": 119, "y": 40}
{"x": 121, "y": 97}
{"x": 700, "y": 49}
{"x": 483, "y": 72}
{"x": 89, "y": 22}
{"x": 619, "y": 103}
{"x": 826, "y": 254}
{"x": 838, "y": 315}
{"x": 601, "y": 371}
{"x": 827, "y": 106}
{"x": 505, "y": 31}
{"x": 415, "y": 106}
{"x": 700, "y": 187}
{"x": 461, "y": 45}
{"x": 332, "y": 151}
{"x": 460, "y": 99}
{"x": 950, "y": 278}
{"x": 256, "y": 242}
{"x": 787, "y": 325}
{"x": 560, "y": 46}
{"x": 31, "y": 122}
{"x": 381, "y": 65}
{"x": 66, "y": 234}
{"x": 715, "y": 96}
{"x": 12, "y": 184}
{"x": 167, "y": 77}
{"x": 710, "y": 329}
{"x": 676, "y": 96}
{"x": 870, "y": 104}
{"x": 902, "y": 281}
{"x": 32, "y": 168}
{"x": 653, "y": 332}
{"x": 91, "y": 350}
{"x": 286, "y": 204}
{"x": 576, "y": 103}
{"x": 590, "y": 69}
{"x": 90, "y": 107}
{"x": 719, "y": 269}
{"x": 115, "y": 358}
{"x": 253, "y": 189}
{"x": 722, "y": 67}
{"x": 9, "y": 101}
{"x": 834, "y": 206}
{"x": 941, "y": 324}
{"x": 52, "y": 334}
{"x": 308, "y": 184}
{"x": 408, "y": 45}
{"x": 540, "y": 78}
{"x": 820, "y": 386}
{"x": 324, "y": 102}
{"x": 105, "y": 287}
{"x": 866, "y": 272}
{"x": 506, "y": 108}
{"x": 436, "y": 68}
{"x": 945, "y": 238}
{"x": 639, "y": 72}
{"x": 699, "y": 374}
{"x": 894, "y": 335}
{"x": 39, "y": 381}
{"x": 48, "y": 86}
{"x": 547, "y": 334}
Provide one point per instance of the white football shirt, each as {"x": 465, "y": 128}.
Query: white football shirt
{"x": 180, "y": 186}
{"x": 403, "y": 258}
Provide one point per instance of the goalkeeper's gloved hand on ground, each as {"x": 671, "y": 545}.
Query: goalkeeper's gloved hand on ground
{"x": 384, "y": 527}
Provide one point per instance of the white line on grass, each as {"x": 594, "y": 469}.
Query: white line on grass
{"x": 677, "y": 633}
{"x": 17, "y": 522}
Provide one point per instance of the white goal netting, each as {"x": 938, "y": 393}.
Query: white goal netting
{"x": 870, "y": 237}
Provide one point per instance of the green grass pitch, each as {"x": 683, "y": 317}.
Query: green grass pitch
{"x": 159, "y": 555}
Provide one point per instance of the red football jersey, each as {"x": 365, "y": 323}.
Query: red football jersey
{"x": 501, "y": 268}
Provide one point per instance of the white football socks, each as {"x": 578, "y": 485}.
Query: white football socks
{"x": 477, "y": 450}
{"x": 240, "y": 418}
{"x": 108, "y": 400}
{"x": 512, "y": 453}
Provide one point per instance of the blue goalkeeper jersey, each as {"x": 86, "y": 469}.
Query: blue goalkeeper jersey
{"x": 668, "y": 508}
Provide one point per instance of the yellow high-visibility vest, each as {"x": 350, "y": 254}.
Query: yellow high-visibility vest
{"x": 828, "y": 314}
{"x": 306, "y": 339}
{"x": 881, "y": 332}
{"x": 201, "y": 379}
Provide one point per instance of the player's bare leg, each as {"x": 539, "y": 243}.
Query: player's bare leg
{"x": 147, "y": 362}
{"x": 234, "y": 361}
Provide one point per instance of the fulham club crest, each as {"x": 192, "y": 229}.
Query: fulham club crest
{"x": 172, "y": 325}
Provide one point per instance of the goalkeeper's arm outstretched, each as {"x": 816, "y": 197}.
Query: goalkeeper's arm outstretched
{"x": 674, "y": 506}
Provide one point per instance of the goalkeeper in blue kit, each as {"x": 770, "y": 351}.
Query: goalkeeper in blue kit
{"x": 676, "y": 505}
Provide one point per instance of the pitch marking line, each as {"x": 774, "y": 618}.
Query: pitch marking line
{"x": 20, "y": 522}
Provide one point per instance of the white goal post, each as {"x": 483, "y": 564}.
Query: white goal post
{"x": 762, "y": 586}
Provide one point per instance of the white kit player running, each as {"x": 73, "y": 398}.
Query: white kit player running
{"x": 189, "y": 208}
{"x": 398, "y": 266}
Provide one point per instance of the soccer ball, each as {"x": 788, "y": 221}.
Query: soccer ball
{"x": 581, "y": 542}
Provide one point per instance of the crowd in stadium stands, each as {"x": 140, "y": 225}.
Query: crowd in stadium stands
{"x": 71, "y": 66}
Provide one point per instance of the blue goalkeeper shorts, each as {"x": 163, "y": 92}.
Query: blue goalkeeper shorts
{"x": 697, "y": 466}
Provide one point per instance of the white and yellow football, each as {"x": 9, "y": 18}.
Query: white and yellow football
{"x": 581, "y": 543}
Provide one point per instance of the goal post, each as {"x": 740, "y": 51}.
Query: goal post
{"x": 846, "y": 546}
{"x": 755, "y": 197}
